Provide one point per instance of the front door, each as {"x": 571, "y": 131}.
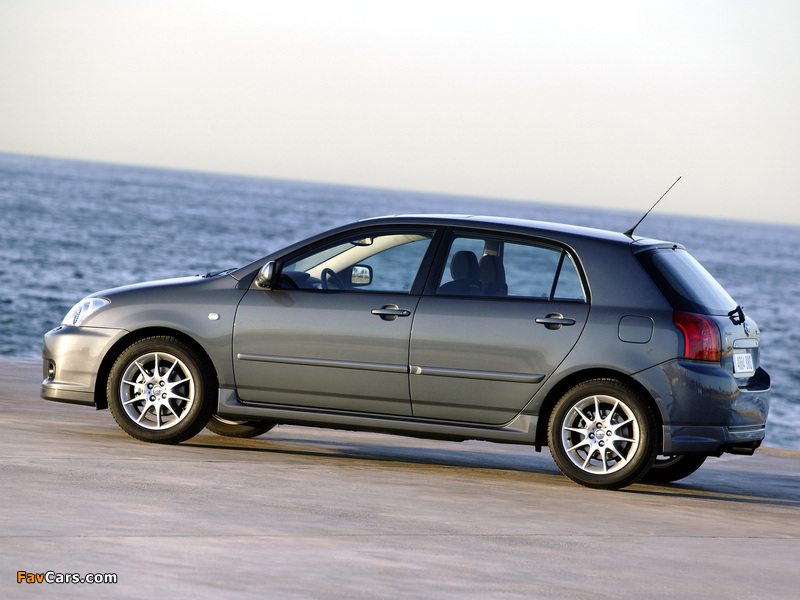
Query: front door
{"x": 335, "y": 333}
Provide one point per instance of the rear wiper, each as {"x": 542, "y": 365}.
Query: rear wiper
{"x": 737, "y": 315}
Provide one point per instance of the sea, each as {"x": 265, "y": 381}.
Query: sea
{"x": 69, "y": 228}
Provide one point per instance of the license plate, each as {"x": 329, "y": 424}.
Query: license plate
{"x": 743, "y": 363}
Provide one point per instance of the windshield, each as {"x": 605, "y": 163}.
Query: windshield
{"x": 685, "y": 283}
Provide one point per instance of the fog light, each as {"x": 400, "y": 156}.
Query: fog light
{"x": 51, "y": 370}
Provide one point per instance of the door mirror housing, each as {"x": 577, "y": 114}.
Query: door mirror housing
{"x": 360, "y": 275}
{"x": 266, "y": 275}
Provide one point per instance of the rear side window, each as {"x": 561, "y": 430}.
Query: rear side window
{"x": 489, "y": 266}
{"x": 568, "y": 286}
{"x": 685, "y": 283}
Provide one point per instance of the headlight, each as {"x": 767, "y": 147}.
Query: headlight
{"x": 83, "y": 309}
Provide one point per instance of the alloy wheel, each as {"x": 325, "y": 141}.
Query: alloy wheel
{"x": 157, "y": 391}
{"x": 600, "y": 434}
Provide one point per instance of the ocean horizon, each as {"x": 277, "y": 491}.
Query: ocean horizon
{"x": 70, "y": 228}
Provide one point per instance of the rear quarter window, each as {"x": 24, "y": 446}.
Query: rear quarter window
{"x": 685, "y": 283}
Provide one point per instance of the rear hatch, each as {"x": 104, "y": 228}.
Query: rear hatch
{"x": 714, "y": 325}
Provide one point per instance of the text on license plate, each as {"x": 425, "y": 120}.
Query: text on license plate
{"x": 743, "y": 362}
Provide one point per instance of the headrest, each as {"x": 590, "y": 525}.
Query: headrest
{"x": 464, "y": 265}
{"x": 491, "y": 270}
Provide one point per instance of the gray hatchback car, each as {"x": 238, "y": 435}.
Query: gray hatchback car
{"x": 620, "y": 353}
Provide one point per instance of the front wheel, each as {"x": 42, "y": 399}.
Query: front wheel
{"x": 666, "y": 469}
{"x": 238, "y": 429}
{"x": 602, "y": 434}
{"x": 160, "y": 390}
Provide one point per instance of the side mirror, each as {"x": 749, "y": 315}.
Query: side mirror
{"x": 361, "y": 275}
{"x": 266, "y": 275}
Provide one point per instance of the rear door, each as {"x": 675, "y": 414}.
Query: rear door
{"x": 482, "y": 343}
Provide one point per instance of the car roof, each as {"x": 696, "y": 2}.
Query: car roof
{"x": 527, "y": 226}
{"x": 543, "y": 229}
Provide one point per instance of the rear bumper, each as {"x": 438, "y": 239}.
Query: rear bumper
{"x": 713, "y": 441}
{"x": 71, "y": 359}
{"x": 705, "y": 411}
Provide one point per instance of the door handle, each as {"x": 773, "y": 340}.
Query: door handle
{"x": 555, "y": 321}
{"x": 390, "y": 312}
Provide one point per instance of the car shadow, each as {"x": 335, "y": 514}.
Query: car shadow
{"x": 352, "y": 450}
{"x": 730, "y": 485}
{"x": 727, "y": 484}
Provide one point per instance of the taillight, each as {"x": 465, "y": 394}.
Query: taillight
{"x": 701, "y": 336}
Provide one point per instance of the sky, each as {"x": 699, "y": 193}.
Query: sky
{"x": 600, "y": 104}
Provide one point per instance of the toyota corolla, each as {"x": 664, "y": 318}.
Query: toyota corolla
{"x": 621, "y": 354}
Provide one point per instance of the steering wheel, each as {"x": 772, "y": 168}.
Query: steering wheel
{"x": 329, "y": 276}
{"x": 290, "y": 283}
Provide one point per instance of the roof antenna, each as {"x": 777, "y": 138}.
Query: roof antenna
{"x": 630, "y": 231}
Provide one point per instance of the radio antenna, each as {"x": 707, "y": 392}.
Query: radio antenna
{"x": 630, "y": 231}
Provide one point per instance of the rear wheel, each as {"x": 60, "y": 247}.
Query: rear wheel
{"x": 602, "y": 434}
{"x": 238, "y": 429}
{"x": 666, "y": 469}
{"x": 160, "y": 390}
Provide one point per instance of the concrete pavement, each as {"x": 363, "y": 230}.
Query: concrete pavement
{"x": 306, "y": 513}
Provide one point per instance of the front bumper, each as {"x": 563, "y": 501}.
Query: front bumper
{"x": 705, "y": 411}
{"x": 71, "y": 359}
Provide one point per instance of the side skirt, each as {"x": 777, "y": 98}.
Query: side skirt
{"x": 520, "y": 430}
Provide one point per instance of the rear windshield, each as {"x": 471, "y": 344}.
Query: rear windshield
{"x": 685, "y": 283}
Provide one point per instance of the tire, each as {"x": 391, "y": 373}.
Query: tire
{"x": 162, "y": 391}
{"x": 608, "y": 452}
{"x": 666, "y": 469}
{"x": 238, "y": 429}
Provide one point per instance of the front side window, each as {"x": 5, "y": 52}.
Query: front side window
{"x": 486, "y": 266}
{"x": 382, "y": 262}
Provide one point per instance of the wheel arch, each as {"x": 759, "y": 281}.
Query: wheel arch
{"x": 578, "y": 377}
{"x": 100, "y": 397}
